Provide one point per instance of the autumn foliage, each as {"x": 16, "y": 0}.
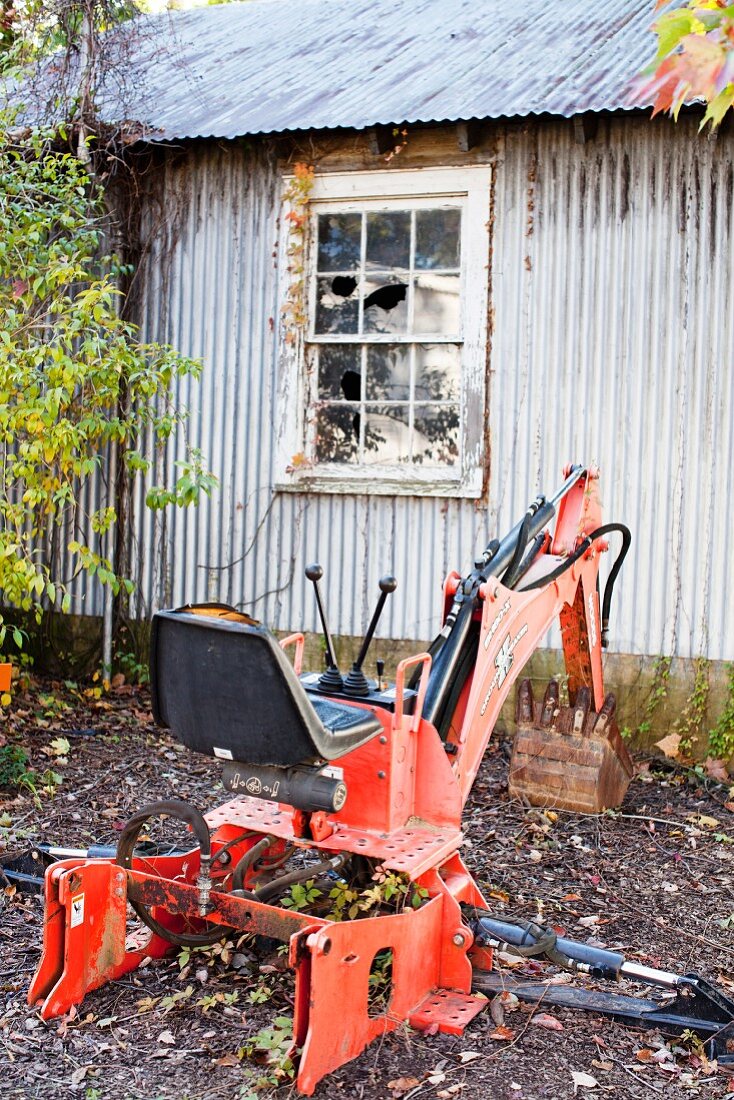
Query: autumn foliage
{"x": 695, "y": 59}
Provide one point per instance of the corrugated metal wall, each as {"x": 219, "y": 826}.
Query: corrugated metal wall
{"x": 613, "y": 341}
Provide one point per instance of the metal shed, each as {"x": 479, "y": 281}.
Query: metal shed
{"x": 610, "y": 297}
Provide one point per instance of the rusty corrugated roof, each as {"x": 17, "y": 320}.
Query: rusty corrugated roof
{"x": 268, "y": 66}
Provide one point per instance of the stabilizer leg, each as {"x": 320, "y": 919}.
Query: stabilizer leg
{"x": 334, "y": 1020}
{"x": 84, "y": 934}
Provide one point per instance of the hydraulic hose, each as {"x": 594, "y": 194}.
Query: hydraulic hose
{"x": 606, "y": 529}
{"x": 182, "y": 811}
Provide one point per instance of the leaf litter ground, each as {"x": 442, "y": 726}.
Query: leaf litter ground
{"x": 654, "y": 880}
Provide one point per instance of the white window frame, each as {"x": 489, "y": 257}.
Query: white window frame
{"x": 414, "y": 188}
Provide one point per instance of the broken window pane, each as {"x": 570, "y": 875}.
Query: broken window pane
{"x": 387, "y": 434}
{"x": 340, "y": 241}
{"x": 340, "y": 372}
{"x": 437, "y": 238}
{"x": 388, "y": 240}
{"x": 337, "y": 433}
{"x": 436, "y": 435}
{"x": 436, "y": 308}
{"x": 388, "y": 372}
{"x": 437, "y": 372}
{"x": 385, "y": 305}
{"x": 335, "y": 313}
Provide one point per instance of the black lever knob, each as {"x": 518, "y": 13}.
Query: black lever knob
{"x": 356, "y": 681}
{"x": 331, "y": 680}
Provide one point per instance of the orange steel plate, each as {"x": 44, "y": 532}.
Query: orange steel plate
{"x": 414, "y": 849}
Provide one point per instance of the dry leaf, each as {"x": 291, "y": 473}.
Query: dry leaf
{"x": 583, "y": 1081}
{"x": 670, "y": 745}
{"x": 227, "y": 1060}
{"x": 469, "y": 1056}
{"x": 544, "y": 1019}
{"x": 167, "y": 1037}
{"x": 716, "y": 769}
{"x": 502, "y": 1033}
{"x": 436, "y": 1079}
{"x": 402, "y": 1085}
{"x": 497, "y": 1011}
{"x": 702, "y": 819}
{"x": 78, "y": 1076}
{"x": 508, "y": 1000}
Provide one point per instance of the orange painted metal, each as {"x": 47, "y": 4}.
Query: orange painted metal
{"x": 6, "y": 676}
{"x": 406, "y": 790}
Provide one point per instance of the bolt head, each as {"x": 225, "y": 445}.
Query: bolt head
{"x": 458, "y": 940}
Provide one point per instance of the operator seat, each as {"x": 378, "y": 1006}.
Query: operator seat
{"x": 223, "y": 686}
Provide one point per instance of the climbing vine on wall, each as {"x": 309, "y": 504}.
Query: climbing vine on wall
{"x": 296, "y": 198}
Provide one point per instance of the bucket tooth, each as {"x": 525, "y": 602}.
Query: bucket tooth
{"x": 606, "y": 714}
{"x": 525, "y": 703}
{"x": 550, "y": 705}
{"x": 581, "y": 710}
{"x": 569, "y": 757}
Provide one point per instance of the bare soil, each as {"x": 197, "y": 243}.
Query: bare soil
{"x": 654, "y": 880}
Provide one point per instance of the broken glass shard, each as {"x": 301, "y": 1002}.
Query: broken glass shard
{"x": 337, "y": 362}
{"x": 334, "y": 313}
{"x": 385, "y": 306}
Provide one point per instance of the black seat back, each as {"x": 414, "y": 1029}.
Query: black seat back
{"x": 223, "y": 685}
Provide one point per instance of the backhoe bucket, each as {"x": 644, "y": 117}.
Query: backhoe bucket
{"x": 568, "y": 757}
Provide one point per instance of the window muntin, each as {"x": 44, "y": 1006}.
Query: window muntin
{"x": 386, "y": 335}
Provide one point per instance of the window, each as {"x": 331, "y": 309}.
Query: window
{"x": 391, "y": 368}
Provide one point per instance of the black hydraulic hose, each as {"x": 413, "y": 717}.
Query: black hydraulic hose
{"x": 244, "y": 864}
{"x": 535, "y": 548}
{"x": 465, "y": 665}
{"x": 302, "y": 874}
{"x": 509, "y": 577}
{"x": 606, "y": 529}
{"x": 124, "y": 858}
{"x": 528, "y": 940}
{"x": 613, "y": 573}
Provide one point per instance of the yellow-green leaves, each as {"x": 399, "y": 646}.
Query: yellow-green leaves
{"x": 75, "y": 379}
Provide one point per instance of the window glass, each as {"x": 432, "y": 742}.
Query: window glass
{"x": 386, "y": 336}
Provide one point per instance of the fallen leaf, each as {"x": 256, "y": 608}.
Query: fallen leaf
{"x": 544, "y": 1019}
{"x": 602, "y": 1065}
{"x": 502, "y": 1033}
{"x": 588, "y": 922}
{"x": 402, "y": 1085}
{"x": 496, "y": 1011}
{"x": 167, "y": 1037}
{"x": 227, "y": 1060}
{"x": 469, "y": 1056}
{"x": 702, "y": 819}
{"x": 78, "y": 1076}
{"x": 583, "y": 1080}
{"x": 670, "y": 746}
{"x": 436, "y": 1079}
{"x": 716, "y": 769}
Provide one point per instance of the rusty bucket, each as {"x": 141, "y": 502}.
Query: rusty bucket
{"x": 568, "y": 757}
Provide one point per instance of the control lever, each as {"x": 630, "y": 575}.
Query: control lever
{"x": 356, "y": 681}
{"x": 331, "y": 680}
